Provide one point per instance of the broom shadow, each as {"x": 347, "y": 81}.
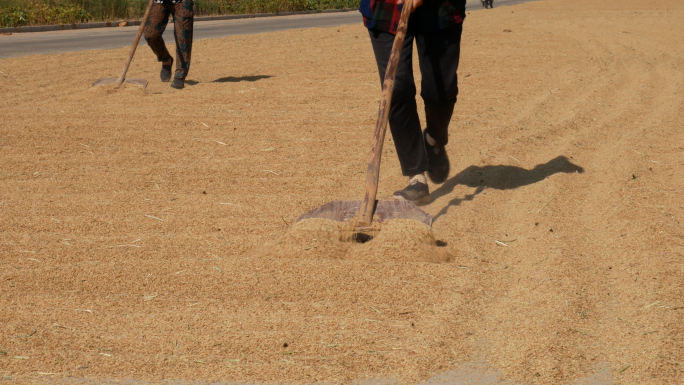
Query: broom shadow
{"x": 231, "y": 79}
{"x": 501, "y": 178}
{"x": 234, "y": 79}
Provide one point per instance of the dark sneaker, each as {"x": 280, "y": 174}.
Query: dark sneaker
{"x": 415, "y": 191}
{"x": 178, "y": 83}
{"x": 438, "y": 162}
{"x": 165, "y": 73}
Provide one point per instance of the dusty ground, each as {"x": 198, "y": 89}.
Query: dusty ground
{"x": 148, "y": 235}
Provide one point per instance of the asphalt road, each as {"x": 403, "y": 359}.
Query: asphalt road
{"x": 41, "y": 43}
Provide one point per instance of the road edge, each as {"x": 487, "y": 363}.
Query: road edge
{"x": 107, "y": 24}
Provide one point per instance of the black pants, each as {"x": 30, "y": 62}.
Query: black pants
{"x": 438, "y": 55}
{"x": 183, "y": 17}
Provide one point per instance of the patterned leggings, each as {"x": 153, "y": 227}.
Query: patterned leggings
{"x": 183, "y": 15}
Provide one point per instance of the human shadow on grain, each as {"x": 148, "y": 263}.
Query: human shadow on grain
{"x": 499, "y": 177}
{"x": 233, "y": 79}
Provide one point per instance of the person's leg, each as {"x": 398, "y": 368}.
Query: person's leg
{"x": 153, "y": 31}
{"x": 183, "y": 17}
{"x": 439, "y": 54}
{"x": 403, "y": 116}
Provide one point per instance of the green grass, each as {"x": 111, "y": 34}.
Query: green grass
{"x": 16, "y": 13}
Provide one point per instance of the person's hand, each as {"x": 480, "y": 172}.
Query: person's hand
{"x": 416, "y": 3}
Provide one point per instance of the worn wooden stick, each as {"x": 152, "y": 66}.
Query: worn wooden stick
{"x": 121, "y": 78}
{"x": 365, "y": 214}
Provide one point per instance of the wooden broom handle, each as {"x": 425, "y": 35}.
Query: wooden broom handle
{"x": 367, "y": 209}
{"x": 120, "y": 80}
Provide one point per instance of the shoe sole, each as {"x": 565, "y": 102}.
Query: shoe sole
{"x": 429, "y": 174}
{"x": 435, "y": 180}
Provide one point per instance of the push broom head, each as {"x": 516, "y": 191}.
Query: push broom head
{"x": 343, "y": 211}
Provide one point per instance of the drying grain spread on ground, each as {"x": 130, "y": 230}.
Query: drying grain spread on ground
{"x": 150, "y": 235}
